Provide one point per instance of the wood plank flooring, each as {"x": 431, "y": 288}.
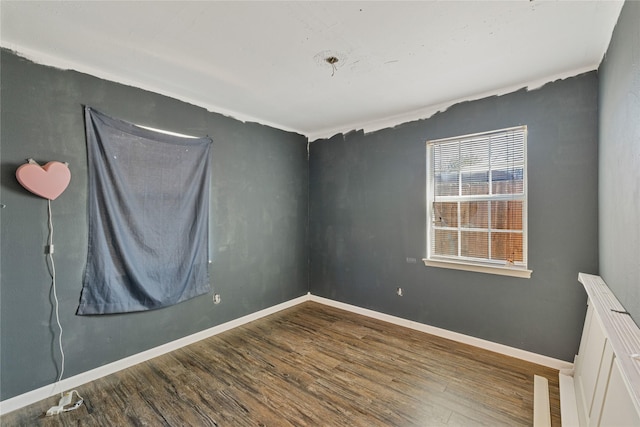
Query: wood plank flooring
{"x": 311, "y": 365}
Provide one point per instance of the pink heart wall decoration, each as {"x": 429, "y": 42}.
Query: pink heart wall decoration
{"x": 48, "y": 181}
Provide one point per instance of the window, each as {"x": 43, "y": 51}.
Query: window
{"x": 477, "y": 202}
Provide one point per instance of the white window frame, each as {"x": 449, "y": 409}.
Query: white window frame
{"x": 476, "y": 264}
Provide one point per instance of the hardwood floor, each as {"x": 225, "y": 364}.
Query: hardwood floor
{"x": 311, "y": 365}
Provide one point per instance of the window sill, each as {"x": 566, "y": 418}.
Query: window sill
{"x": 503, "y": 271}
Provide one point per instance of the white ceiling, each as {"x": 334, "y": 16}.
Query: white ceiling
{"x": 265, "y": 61}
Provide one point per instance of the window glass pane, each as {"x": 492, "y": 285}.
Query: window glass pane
{"x": 474, "y": 214}
{"x": 445, "y": 214}
{"x": 507, "y": 149}
{"x": 506, "y": 215}
{"x": 474, "y": 166}
{"x": 474, "y": 154}
{"x": 447, "y": 156}
{"x": 447, "y": 184}
{"x": 506, "y": 246}
{"x": 474, "y": 183}
{"x": 507, "y": 181}
{"x": 474, "y": 244}
{"x": 446, "y": 165}
{"x": 445, "y": 242}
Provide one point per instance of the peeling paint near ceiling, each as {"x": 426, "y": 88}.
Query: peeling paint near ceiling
{"x": 266, "y": 61}
{"x": 427, "y": 112}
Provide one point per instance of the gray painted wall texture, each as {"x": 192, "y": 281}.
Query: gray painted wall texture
{"x": 367, "y": 218}
{"x": 259, "y": 208}
{"x": 619, "y": 157}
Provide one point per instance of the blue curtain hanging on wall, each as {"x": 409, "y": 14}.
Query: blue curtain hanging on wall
{"x": 148, "y": 208}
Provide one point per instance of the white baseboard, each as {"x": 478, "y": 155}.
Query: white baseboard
{"x": 70, "y": 383}
{"x": 41, "y": 393}
{"x": 454, "y": 336}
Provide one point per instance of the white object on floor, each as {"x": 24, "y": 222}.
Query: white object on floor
{"x": 541, "y": 407}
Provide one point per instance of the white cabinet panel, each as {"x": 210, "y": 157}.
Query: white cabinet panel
{"x": 618, "y": 409}
{"x": 588, "y": 365}
{"x": 606, "y": 376}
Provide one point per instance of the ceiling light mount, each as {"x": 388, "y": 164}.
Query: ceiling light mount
{"x": 331, "y": 58}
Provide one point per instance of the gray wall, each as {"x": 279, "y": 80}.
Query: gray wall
{"x": 367, "y": 217}
{"x": 619, "y": 157}
{"x": 259, "y": 208}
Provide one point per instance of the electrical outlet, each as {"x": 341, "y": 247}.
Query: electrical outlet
{"x": 399, "y": 292}
{"x": 217, "y": 299}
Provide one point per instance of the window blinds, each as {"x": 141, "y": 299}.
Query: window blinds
{"x": 477, "y": 197}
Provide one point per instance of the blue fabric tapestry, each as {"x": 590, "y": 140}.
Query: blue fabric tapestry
{"x": 148, "y": 208}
